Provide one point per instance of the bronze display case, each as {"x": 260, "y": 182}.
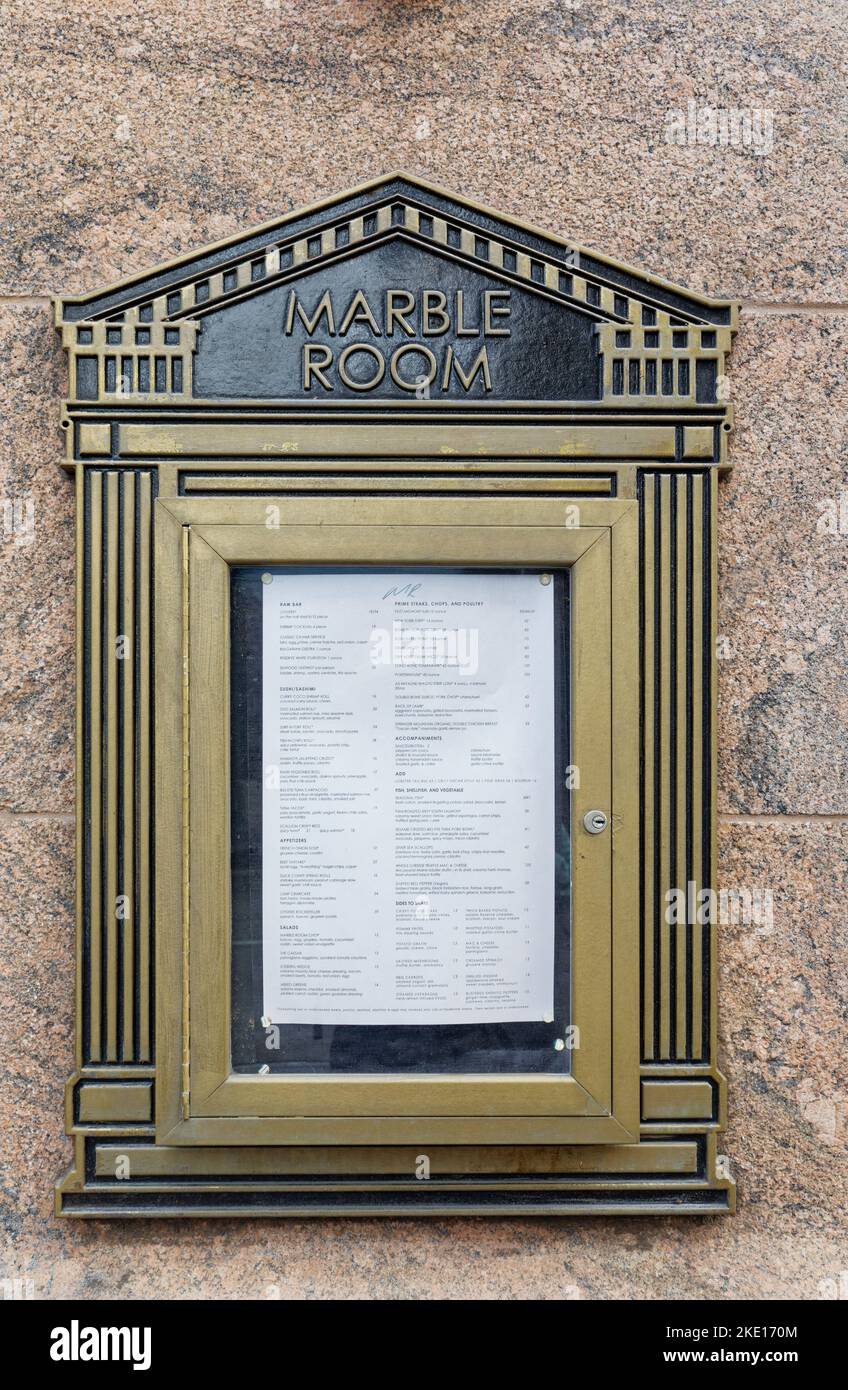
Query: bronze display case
{"x": 394, "y": 377}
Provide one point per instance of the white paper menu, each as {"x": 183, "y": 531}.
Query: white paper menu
{"x": 408, "y": 797}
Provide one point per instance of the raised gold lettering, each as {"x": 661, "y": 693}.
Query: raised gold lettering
{"x": 324, "y": 306}
{"x": 422, "y": 351}
{"x": 359, "y": 311}
{"x": 372, "y": 352}
{"x": 492, "y": 310}
{"x": 393, "y": 312}
{"x": 461, "y": 330}
{"x": 480, "y": 364}
{"x": 313, "y": 362}
{"x": 434, "y": 307}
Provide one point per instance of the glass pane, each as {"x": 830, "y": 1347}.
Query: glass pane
{"x": 399, "y": 820}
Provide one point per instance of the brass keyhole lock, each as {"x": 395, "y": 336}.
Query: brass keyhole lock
{"x": 596, "y": 822}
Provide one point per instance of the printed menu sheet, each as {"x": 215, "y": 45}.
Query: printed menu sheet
{"x": 408, "y": 797}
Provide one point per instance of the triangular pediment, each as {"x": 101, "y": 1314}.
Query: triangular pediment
{"x": 554, "y": 320}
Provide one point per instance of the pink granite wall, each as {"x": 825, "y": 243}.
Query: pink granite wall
{"x": 135, "y": 131}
